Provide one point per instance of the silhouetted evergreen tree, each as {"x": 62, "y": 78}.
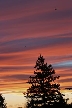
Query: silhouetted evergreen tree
{"x": 44, "y": 91}
{"x": 2, "y": 102}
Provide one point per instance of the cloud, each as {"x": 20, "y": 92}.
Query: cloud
{"x": 65, "y": 64}
{"x": 65, "y": 80}
{"x": 15, "y": 67}
{"x": 17, "y": 77}
{"x": 32, "y": 43}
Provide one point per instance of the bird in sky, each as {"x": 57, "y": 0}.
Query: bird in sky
{"x": 55, "y": 9}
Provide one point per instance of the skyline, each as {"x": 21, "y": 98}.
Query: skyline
{"x": 29, "y": 28}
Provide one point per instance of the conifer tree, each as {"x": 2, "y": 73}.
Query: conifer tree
{"x": 2, "y": 102}
{"x": 44, "y": 91}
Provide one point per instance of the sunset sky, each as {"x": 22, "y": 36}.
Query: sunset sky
{"x": 29, "y": 28}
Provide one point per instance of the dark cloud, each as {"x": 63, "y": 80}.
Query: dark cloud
{"x": 16, "y": 69}
{"x": 17, "y": 77}
{"x": 65, "y": 80}
{"x": 7, "y": 57}
{"x": 32, "y": 43}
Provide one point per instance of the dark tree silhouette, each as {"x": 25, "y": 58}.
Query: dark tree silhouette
{"x": 2, "y": 102}
{"x": 44, "y": 91}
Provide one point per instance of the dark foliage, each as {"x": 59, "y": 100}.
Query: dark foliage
{"x": 2, "y": 102}
{"x": 44, "y": 92}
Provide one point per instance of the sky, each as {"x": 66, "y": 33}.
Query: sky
{"x": 29, "y": 28}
